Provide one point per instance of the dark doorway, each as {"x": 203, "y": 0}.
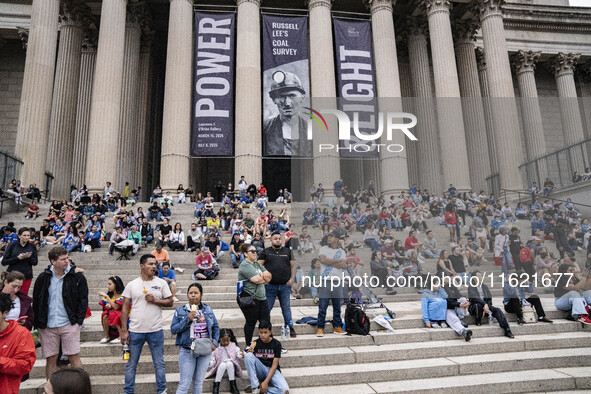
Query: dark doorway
{"x": 276, "y": 176}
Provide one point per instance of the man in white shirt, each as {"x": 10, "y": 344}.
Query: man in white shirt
{"x": 242, "y": 186}
{"x": 586, "y": 239}
{"x": 148, "y": 294}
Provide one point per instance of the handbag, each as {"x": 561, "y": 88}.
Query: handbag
{"x": 201, "y": 347}
{"x": 245, "y": 300}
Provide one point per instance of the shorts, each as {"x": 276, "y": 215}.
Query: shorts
{"x": 480, "y": 233}
{"x": 451, "y": 225}
{"x": 50, "y": 340}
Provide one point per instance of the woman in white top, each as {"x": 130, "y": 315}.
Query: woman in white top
{"x": 177, "y": 238}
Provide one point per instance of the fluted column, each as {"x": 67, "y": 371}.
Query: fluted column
{"x": 143, "y": 121}
{"x": 35, "y": 108}
{"x": 408, "y": 106}
{"x": 563, "y": 67}
{"x": 524, "y": 63}
{"x": 426, "y": 128}
{"x": 323, "y": 85}
{"x": 128, "y": 118}
{"x": 449, "y": 107}
{"x": 474, "y": 119}
{"x": 176, "y": 123}
{"x": 490, "y": 129}
{"x": 393, "y": 166}
{"x": 248, "y": 139}
{"x": 585, "y": 82}
{"x": 65, "y": 99}
{"x": 500, "y": 85}
{"x": 102, "y": 158}
{"x": 86, "y": 77}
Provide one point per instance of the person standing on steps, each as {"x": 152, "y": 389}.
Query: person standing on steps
{"x": 21, "y": 256}
{"x": 279, "y": 261}
{"x": 148, "y": 294}
{"x": 60, "y": 300}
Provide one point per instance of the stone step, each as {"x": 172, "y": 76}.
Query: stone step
{"x": 398, "y": 371}
{"x": 105, "y": 365}
{"x": 573, "y": 379}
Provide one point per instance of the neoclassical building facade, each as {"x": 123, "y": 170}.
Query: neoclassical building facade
{"x": 102, "y": 90}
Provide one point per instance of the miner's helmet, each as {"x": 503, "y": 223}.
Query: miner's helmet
{"x": 284, "y": 81}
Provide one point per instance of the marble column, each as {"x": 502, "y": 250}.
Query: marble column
{"x": 407, "y": 106}
{"x": 323, "y": 85}
{"x": 248, "y": 139}
{"x": 585, "y": 83}
{"x": 502, "y": 95}
{"x": 524, "y": 64}
{"x": 35, "y": 107}
{"x": 563, "y": 67}
{"x": 86, "y": 78}
{"x": 393, "y": 166}
{"x": 65, "y": 99}
{"x": 474, "y": 119}
{"x": 447, "y": 89}
{"x": 128, "y": 118}
{"x": 176, "y": 124}
{"x": 103, "y": 134}
{"x": 429, "y": 154}
{"x": 143, "y": 121}
{"x": 490, "y": 130}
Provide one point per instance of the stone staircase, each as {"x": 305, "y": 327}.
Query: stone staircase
{"x": 542, "y": 357}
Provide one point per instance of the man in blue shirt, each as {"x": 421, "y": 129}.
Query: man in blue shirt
{"x": 169, "y": 277}
{"x": 9, "y": 237}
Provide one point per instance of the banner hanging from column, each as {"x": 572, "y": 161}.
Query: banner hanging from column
{"x": 356, "y": 86}
{"x": 286, "y": 82}
{"x": 213, "y": 92}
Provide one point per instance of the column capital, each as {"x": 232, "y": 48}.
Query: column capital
{"x": 72, "y": 12}
{"x": 487, "y": 8}
{"x": 255, "y": 2}
{"x": 464, "y": 31}
{"x": 415, "y": 26}
{"x": 318, "y": 3}
{"x": 525, "y": 61}
{"x": 23, "y": 34}
{"x": 434, "y": 6}
{"x": 380, "y": 5}
{"x": 584, "y": 71}
{"x": 89, "y": 40}
{"x": 563, "y": 63}
{"x": 480, "y": 58}
{"x": 134, "y": 15}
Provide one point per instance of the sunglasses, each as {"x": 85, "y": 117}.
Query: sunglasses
{"x": 251, "y": 251}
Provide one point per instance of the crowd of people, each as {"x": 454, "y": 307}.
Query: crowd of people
{"x": 265, "y": 250}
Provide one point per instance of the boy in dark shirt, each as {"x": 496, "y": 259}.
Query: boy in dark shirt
{"x": 262, "y": 363}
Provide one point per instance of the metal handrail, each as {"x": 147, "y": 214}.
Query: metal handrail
{"x": 519, "y": 193}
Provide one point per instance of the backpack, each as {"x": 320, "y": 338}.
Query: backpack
{"x": 525, "y": 255}
{"x": 356, "y": 321}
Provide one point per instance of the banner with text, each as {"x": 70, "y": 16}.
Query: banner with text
{"x": 356, "y": 84}
{"x": 286, "y": 82}
{"x": 213, "y": 93}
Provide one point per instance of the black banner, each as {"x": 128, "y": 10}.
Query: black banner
{"x": 356, "y": 86}
{"x": 286, "y": 82}
{"x": 213, "y": 93}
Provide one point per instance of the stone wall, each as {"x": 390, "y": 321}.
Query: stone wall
{"x": 12, "y": 66}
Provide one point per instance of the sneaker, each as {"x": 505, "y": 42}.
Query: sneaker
{"x": 298, "y": 297}
{"x": 584, "y": 319}
{"x": 339, "y": 330}
{"x": 283, "y": 350}
{"x": 316, "y": 300}
{"x": 320, "y": 332}
{"x": 256, "y": 391}
{"x": 444, "y": 325}
{"x": 292, "y": 333}
{"x": 391, "y": 292}
{"x": 467, "y": 334}
{"x": 509, "y": 334}
{"x": 116, "y": 341}
{"x": 181, "y": 270}
{"x": 435, "y": 325}
{"x": 292, "y": 297}
{"x": 520, "y": 322}
{"x": 104, "y": 340}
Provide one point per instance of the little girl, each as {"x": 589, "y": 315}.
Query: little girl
{"x": 226, "y": 358}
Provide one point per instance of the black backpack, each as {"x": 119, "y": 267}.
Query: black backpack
{"x": 356, "y": 321}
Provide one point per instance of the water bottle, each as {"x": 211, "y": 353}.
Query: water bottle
{"x": 282, "y": 333}
{"x": 125, "y": 352}
{"x": 490, "y": 319}
{"x": 287, "y": 332}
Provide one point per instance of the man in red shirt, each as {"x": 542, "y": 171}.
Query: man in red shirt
{"x": 412, "y": 242}
{"x": 17, "y": 353}
{"x": 262, "y": 190}
{"x": 450, "y": 220}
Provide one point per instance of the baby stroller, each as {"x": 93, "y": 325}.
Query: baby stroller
{"x": 366, "y": 298}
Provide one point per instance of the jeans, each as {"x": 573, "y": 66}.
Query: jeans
{"x": 397, "y": 223}
{"x": 148, "y": 239}
{"x": 283, "y": 292}
{"x": 506, "y": 260}
{"x": 156, "y": 344}
{"x": 373, "y": 244}
{"x": 234, "y": 262}
{"x": 257, "y": 372}
{"x": 465, "y": 276}
{"x": 156, "y": 216}
{"x": 428, "y": 253}
{"x": 572, "y": 301}
{"x": 326, "y": 296}
{"x": 193, "y": 370}
{"x": 71, "y": 248}
{"x": 387, "y": 223}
